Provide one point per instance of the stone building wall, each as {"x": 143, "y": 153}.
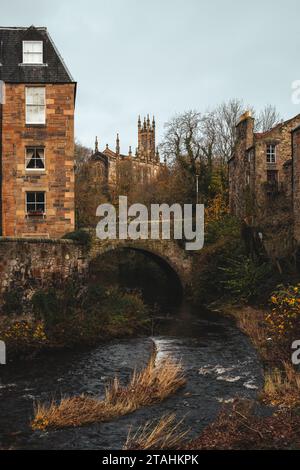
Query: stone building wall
{"x": 270, "y": 208}
{"x": 296, "y": 182}
{"x": 118, "y": 168}
{"x": 1, "y": 111}
{"x": 281, "y": 136}
{"x": 57, "y": 180}
{"x": 239, "y": 166}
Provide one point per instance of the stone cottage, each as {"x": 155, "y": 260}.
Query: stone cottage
{"x": 264, "y": 182}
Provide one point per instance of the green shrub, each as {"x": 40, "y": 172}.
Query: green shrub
{"x": 243, "y": 278}
{"x": 228, "y": 227}
{"x": 125, "y": 311}
{"x": 81, "y": 236}
{"x": 72, "y": 313}
{"x": 207, "y": 285}
{"x": 13, "y": 302}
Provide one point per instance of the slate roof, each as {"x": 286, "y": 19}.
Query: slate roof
{"x": 261, "y": 135}
{"x": 53, "y": 70}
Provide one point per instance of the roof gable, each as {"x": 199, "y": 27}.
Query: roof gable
{"x": 53, "y": 70}
{"x": 268, "y": 134}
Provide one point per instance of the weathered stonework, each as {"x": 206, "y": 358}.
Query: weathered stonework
{"x": 166, "y": 253}
{"x": 109, "y": 167}
{"x": 265, "y": 195}
{"x": 32, "y": 264}
{"x": 52, "y": 179}
{"x": 295, "y": 173}
{"x": 57, "y": 180}
{"x": 36, "y": 264}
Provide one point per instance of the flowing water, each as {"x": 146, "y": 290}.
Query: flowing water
{"x": 219, "y": 362}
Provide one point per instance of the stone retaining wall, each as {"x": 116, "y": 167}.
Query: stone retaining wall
{"x": 32, "y": 263}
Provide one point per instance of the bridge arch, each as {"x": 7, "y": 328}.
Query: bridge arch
{"x": 166, "y": 253}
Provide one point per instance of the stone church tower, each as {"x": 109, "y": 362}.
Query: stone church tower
{"x": 145, "y": 164}
{"x": 146, "y": 140}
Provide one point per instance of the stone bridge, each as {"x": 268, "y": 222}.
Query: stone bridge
{"x": 33, "y": 263}
{"x": 174, "y": 260}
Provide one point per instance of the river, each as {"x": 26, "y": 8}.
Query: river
{"x": 219, "y": 361}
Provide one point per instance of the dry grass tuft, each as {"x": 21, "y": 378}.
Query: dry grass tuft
{"x": 282, "y": 386}
{"x": 151, "y": 385}
{"x": 164, "y": 434}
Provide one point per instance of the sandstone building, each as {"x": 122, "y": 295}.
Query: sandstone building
{"x": 144, "y": 166}
{"x": 264, "y": 182}
{"x": 36, "y": 136}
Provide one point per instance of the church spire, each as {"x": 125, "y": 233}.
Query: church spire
{"x": 117, "y": 145}
{"x": 96, "y": 145}
{"x": 157, "y": 154}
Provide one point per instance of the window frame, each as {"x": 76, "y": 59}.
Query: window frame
{"x": 35, "y": 147}
{"x": 272, "y": 180}
{"x": 41, "y": 54}
{"x": 35, "y": 213}
{"x": 270, "y": 154}
{"x": 27, "y": 121}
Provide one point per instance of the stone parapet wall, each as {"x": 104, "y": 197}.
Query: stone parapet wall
{"x": 32, "y": 263}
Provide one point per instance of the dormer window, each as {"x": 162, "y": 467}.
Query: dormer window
{"x": 32, "y": 52}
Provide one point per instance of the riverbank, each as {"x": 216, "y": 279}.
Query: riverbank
{"x": 282, "y": 379}
{"x": 61, "y": 323}
{"x": 238, "y": 425}
{"x": 215, "y": 374}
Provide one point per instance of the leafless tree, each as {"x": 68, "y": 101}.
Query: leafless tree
{"x": 225, "y": 118}
{"x": 203, "y": 137}
{"x": 182, "y": 139}
{"x": 267, "y": 119}
{"x": 82, "y": 154}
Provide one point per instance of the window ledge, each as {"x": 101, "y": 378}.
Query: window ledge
{"x": 35, "y": 216}
{"x": 35, "y": 125}
{"x": 32, "y": 65}
{"x": 35, "y": 170}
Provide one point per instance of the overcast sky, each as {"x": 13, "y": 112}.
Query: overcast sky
{"x": 161, "y": 57}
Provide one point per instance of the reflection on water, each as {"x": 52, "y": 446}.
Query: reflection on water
{"x": 218, "y": 359}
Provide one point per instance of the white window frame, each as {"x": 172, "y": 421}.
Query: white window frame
{"x": 27, "y": 105}
{"x": 37, "y": 147}
{"x": 39, "y": 54}
{"x": 271, "y": 156}
{"x": 28, "y": 214}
